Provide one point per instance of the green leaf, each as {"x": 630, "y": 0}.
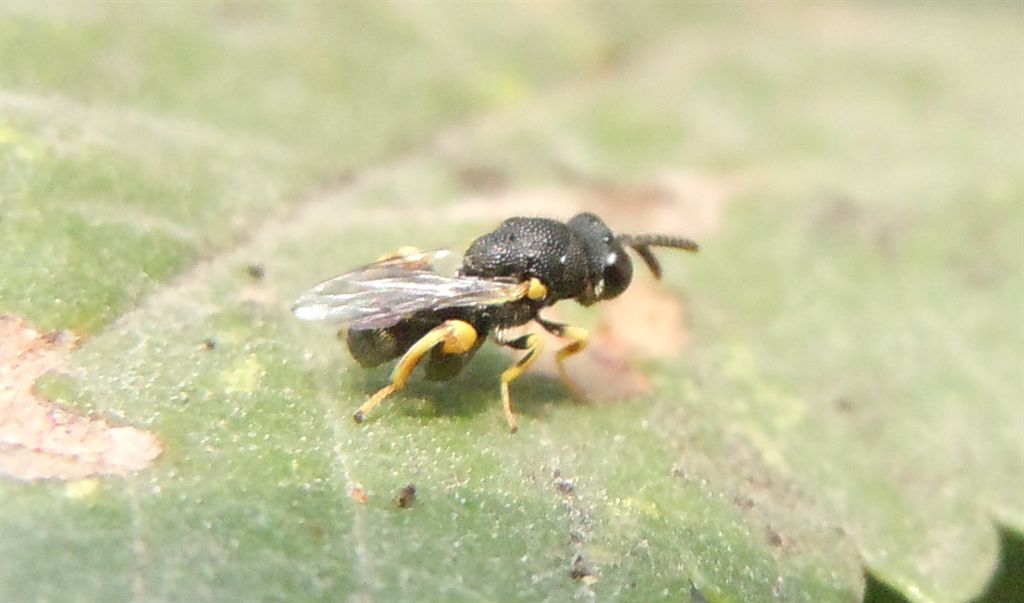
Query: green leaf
{"x": 849, "y": 398}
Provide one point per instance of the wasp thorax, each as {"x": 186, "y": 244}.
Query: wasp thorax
{"x": 531, "y": 248}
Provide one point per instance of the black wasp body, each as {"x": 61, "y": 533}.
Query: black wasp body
{"x": 399, "y": 306}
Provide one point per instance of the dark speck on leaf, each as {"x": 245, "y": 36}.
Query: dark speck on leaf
{"x": 209, "y": 343}
{"x": 256, "y": 272}
{"x": 406, "y": 496}
{"x": 565, "y": 486}
{"x": 53, "y": 337}
{"x": 580, "y": 569}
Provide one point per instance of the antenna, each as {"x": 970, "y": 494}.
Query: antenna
{"x": 642, "y": 245}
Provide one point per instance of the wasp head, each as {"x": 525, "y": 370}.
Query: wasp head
{"x": 610, "y": 267}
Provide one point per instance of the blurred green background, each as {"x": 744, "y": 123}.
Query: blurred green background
{"x": 830, "y": 398}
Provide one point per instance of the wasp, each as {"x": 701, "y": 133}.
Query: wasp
{"x": 402, "y": 306}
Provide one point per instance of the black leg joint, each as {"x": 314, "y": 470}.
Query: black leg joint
{"x": 555, "y": 328}
{"x": 519, "y": 343}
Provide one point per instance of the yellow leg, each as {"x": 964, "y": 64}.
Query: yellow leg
{"x": 533, "y": 346}
{"x": 456, "y": 337}
{"x": 577, "y": 341}
{"x": 578, "y": 338}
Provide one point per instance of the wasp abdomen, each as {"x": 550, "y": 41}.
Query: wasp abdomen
{"x": 373, "y": 347}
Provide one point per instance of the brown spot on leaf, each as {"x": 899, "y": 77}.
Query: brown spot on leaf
{"x": 646, "y": 320}
{"x": 358, "y": 494}
{"x": 41, "y": 441}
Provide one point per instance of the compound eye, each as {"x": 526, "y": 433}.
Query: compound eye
{"x": 618, "y": 272}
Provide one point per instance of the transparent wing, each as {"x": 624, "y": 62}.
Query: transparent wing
{"x": 382, "y": 293}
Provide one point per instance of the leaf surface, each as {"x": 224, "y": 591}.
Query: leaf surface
{"x": 848, "y": 395}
